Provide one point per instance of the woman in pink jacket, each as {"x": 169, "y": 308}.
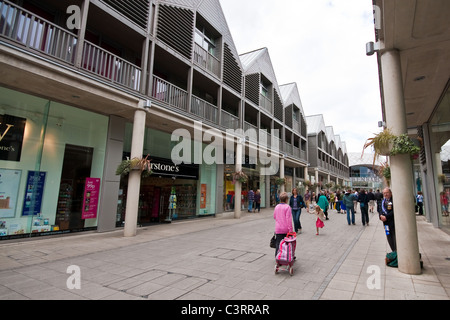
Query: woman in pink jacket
{"x": 283, "y": 220}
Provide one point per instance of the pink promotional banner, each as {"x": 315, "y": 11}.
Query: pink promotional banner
{"x": 90, "y": 201}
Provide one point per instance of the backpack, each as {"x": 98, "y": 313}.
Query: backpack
{"x": 286, "y": 251}
{"x": 391, "y": 260}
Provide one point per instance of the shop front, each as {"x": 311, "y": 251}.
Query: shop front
{"x": 51, "y": 164}
{"x": 439, "y": 155}
{"x": 255, "y": 182}
{"x": 173, "y": 191}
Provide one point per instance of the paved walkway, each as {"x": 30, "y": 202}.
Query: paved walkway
{"x": 223, "y": 259}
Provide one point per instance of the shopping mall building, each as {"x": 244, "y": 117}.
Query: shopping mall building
{"x": 412, "y": 45}
{"x": 86, "y": 84}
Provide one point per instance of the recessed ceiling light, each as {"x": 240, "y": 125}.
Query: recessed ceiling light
{"x": 421, "y": 78}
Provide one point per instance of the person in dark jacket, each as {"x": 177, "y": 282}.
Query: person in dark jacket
{"x": 348, "y": 203}
{"x": 296, "y": 204}
{"x": 379, "y": 200}
{"x": 387, "y": 216}
{"x": 363, "y": 200}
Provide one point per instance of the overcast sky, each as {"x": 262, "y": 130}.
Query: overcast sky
{"x": 320, "y": 45}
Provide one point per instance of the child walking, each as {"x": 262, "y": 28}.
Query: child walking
{"x": 320, "y": 218}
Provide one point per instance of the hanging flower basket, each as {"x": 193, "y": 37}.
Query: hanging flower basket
{"x": 240, "y": 176}
{"x": 403, "y": 144}
{"x": 280, "y": 181}
{"x": 142, "y": 164}
{"x": 381, "y": 144}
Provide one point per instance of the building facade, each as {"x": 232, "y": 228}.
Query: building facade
{"x": 329, "y": 163}
{"x": 87, "y": 84}
{"x": 413, "y": 51}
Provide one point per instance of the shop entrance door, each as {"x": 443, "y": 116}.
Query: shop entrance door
{"x": 155, "y": 209}
{"x": 76, "y": 168}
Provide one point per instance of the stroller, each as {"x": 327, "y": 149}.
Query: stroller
{"x": 286, "y": 253}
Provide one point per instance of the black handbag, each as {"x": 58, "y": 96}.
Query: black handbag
{"x": 273, "y": 242}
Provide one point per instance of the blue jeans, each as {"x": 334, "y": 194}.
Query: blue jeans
{"x": 352, "y": 210}
{"x": 296, "y": 217}
{"x": 250, "y": 205}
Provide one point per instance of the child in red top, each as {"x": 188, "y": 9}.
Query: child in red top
{"x": 320, "y": 218}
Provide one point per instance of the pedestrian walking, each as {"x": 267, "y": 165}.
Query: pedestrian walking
{"x": 322, "y": 202}
{"x": 379, "y": 200}
{"x": 307, "y": 198}
{"x": 338, "y": 202}
{"x": 283, "y": 220}
{"x": 332, "y": 200}
{"x": 296, "y": 204}
{"x": 387, "y": 216}
{"x": 320, "y": 218}
{"x": 251, "y": 199}
{"x": 258, "y": 200}
{"x": 363, "y": 200}
{"x": 348, "y": 200}
{"x": 371, "y": 198}
{"x": 419, "y": 202}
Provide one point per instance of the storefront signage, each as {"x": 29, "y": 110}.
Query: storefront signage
{"x": 90, "y": 200}
{"x": 9, "y": 189}
{"x": 12, "y": 131}
{"x": 166, "y": 168}
{"x": 34, "y": 193}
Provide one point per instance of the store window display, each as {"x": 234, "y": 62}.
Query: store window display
{"x": 42, "y": 183}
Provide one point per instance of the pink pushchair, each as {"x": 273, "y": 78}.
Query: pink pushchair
{"x": 286, "y": 253}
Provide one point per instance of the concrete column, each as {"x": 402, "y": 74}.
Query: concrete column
{"x": 316, "y": 175}
{"x": 283, "y": 186}
{"x": 238, "y": 185}
{"x": 134, "y": 178}
{"x": 401, "y": 167}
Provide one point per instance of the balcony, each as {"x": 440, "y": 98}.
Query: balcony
{"x": 170, "y": 94}
{"x": 36, "y": 34}
{"x": 229, "y": 121}
{"x": 111, "y": 67}
{"x": 206, "y": 60}
{"x": 179, "y": 98}
{"x": 39, "y": 35}
{"x": 266, "y": 103}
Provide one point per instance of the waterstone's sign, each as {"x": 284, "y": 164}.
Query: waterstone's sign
{"x": 166, "y": 167}
{"x": 12, "y": 131}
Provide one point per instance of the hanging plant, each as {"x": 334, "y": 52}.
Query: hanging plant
{"x": 308, "y": 183}
{"x": 442, "y": 178}
{"x": 403, "y": 144}
{"x": 381, "y": 144}
{"x": 280, "y": 181}
{"x": 240, "y": 176}
{"x": 142, "y": 164}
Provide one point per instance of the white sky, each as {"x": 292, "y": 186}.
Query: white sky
{"x": 320, "y": 45}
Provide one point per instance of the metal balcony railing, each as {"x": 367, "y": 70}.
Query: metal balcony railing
{"x": 206, "y": 60}
{"x": 170, "y": 94}
{"x": 26, "y": 28}
{"x": 35, "y": 33}
{"x": 204, "y": 110}
{"x": 265, "y": 103}
{"x": 110, "y": 66}
{"x": 229, "y": 121}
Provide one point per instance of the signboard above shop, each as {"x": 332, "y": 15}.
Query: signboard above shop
{"x": 166, "y": 168}
{"x": 12, "y": 131}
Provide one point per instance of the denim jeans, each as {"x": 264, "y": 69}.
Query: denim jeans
{"x": 296, "y": 217}
{"x": 364, "y": 214}
{"x": 250, "y": 205}
{"x": 352, "y": 210}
